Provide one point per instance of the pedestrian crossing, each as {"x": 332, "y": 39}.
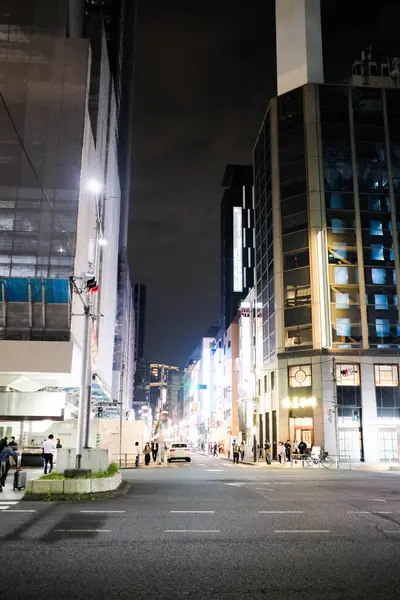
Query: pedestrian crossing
{"x": 8, "y": 504}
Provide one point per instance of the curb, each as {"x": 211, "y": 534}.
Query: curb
{"x": 122, "y": 490}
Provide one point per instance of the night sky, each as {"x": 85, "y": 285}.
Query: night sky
{"x": 205, "y": 75}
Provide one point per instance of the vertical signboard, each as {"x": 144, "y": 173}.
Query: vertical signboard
{"x": 237, "y": 249}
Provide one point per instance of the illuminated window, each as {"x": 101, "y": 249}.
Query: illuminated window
{"x": 343, "y": 327}
{"x": 377, "y": 252}
{"x": 376, "y": 227}
{"x": 342, "y": 300}
{"x": 341, "y": 275}
{"x": 381, "y": 302}
{"x": 391, "y": 253}
{"x": 378, "y": 275}
{"x": 300, "y": 376}
{"x": 338, "y": 226}
{"x": 382, "y": 327}
{"x": 348, "y": 375}
{"x": 386, "y": 376}
{"x": 336, "y": 200}
{"x": 374, "y": 203}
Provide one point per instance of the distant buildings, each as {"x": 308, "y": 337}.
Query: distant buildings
{"x": 311, "y": 353}
{"x": 237, "y": 239}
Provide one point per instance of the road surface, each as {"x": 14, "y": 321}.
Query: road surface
{"x": 211, "y": 530}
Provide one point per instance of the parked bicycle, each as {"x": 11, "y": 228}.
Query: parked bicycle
{"x": 322, "y": 459}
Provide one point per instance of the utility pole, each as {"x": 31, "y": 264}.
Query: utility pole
{"x": 121, "y": 406}
{"x": 85, "y": 384}
{"x": 335, "y": 405}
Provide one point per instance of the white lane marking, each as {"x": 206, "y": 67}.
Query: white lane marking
{"x": 12, "y": 510}
{"x": 382, "y": 512}
{"x": 235, "y": 484}
{"x": 264, "y": 489}
{"x": 2, "y": 507}
{"x": 391, "y": 530}
{"x": 215, "y": 470}
{"x": 194, "y": 512}
{"x": 280, "y": 512}
{"x": 191, "y": 531}
{"x": 376, "y": 500}
{"x": 286, "y": 483}
{"x": 301, "y": 531}
{"x": 202, "y": 465}
{"x": 82, "y": 530}
{"x": 102, "y": 511}
{"x": 9, "y": 502}
{"x": 358, "y": 512}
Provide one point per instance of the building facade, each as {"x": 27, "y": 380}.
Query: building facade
{"x": 60, "y": 209}
{"x": 237, "y": 240}
{"x": 327, "y": 264}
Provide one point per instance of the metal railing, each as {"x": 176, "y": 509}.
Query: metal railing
{"x": 328, "y": 461}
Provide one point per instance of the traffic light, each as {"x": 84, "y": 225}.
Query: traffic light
{"x": 356, "y": 414}
{"x": 99, "y": 412}
{"x": 91, "y": 285}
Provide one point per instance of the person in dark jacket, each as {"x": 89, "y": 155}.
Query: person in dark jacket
{"x": 5, "y": 463}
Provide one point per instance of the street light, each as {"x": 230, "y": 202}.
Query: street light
{"x": 94, "y": 186}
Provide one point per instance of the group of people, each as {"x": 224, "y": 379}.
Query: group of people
{"x": 150, "y": 451}
{"x": 285, "y": 450}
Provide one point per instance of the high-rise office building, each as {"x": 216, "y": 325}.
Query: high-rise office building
{"x": 237, "y": 240}
{"x": 140, "y": 301}
{"x": 327, "y": 204}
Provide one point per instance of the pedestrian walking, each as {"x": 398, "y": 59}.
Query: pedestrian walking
{"x": 236, "y": 452}
{"x": 5, "y": 455}
{"x": 202, "y": 447}
{"x": 3, "y": 443}
{"x": 268, "y": 452}
{"x": 137, "y": 454}
{"x": 13, "y": 444}
{"x": 215, "y": 453}
{"x": 242, "y": 449}
{"x": 154, "y": 450}
{"x": 49, "y": 449}
{"x": 288, "y": 448}
{"x": 147, "y": 454}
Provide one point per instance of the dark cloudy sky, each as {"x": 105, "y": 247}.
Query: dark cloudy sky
{"x": 205, "y": 74}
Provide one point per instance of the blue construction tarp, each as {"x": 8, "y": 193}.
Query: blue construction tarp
{"x": 16, "y": 289}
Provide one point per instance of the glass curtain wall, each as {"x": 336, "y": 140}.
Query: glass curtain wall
{"x": 264, "y": 237}
{"x": 294, "y": 218}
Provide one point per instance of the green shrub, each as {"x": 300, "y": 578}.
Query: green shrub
{"x": 111, "y": 470}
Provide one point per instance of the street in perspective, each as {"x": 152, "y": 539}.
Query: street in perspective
{"x": 211, "y": 529}
{"x": 199, "y": 300}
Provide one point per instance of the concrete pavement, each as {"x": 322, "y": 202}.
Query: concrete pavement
{"x": 214, "y": 530}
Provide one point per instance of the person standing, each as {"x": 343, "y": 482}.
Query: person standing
{"x": 5, "y": 455}
{"x": 288, "y": 448}
{"x": 242, "y": 448}
{"x": 202, "y": 447}
{"x": 154, "y": 450}
{"x": 236, "y": 452}
{"x": 48, "y": 453}
{"x": 215, "y": 447}
{"x": 58, "y": 445}
{"x": 13, "y": 444}
{"x": 281, "y": 453}
{"x": 147, "y": 454}
{"x": 268, "y": 451}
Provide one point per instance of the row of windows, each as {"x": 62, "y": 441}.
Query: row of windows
{"x": 374, "y": 226}
{"x": 377, "y": 276}
{"x": 380, "y": 301}
{"x": 346, "y": 375}
{"x": 345, "y": 328}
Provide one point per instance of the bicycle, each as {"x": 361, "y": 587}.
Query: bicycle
{"x": 323, "y": 459}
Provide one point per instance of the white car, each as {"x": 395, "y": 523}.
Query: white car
{"x": 178, "y": 452}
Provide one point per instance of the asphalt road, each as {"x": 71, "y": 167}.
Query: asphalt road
{"x": 211, "y": 530}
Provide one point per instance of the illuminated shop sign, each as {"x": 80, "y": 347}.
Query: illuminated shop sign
{"x": 299, "y": 402}
{"x": 237, "y": 250}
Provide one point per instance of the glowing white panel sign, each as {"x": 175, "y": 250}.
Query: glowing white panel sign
{"x": 237, "y": 250}
{"x": 299, "y": 402}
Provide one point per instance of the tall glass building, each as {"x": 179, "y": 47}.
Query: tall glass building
{"x": 327, "y": 216}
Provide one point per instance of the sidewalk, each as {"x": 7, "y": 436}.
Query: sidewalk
{"x": 8, "y": 493}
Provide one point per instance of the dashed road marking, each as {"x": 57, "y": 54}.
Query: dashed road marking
{"x": 376, "y": 500}
{"x": 15, "y": 510}
{"x": 264, "y": 489}
{"x": 301, "y": 531}
{"x": 191, "y": 531}
{"x": 192, "y": 512}
{"x": 9, "y": 502}
{"x": 215, "y": 470}
{"x": 89, "y": 512}
{"x": 280, "y": 512}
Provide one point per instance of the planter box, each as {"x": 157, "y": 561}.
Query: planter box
{"x": 73, "y": 486}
